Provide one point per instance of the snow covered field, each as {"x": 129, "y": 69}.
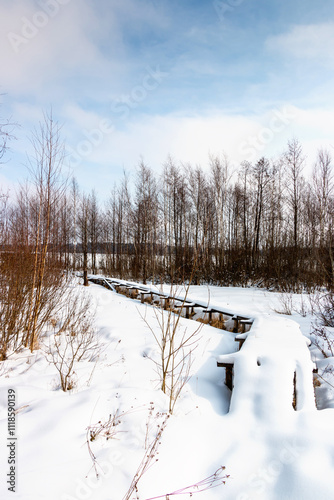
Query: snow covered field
{"x": 269, "y": 450}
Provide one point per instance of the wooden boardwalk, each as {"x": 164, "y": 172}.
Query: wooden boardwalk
{"x": 153, "y": 296}
{"x": 273, "y": 354}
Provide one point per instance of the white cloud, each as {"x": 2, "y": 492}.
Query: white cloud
{"x": 80, "y": 59}
{"x": 40, "y": 50}
{"x": 100, "y": 155}
{"x": 189, "y": 138}
{"x": 310, "y": 42}
{"x": 193, "y": 138}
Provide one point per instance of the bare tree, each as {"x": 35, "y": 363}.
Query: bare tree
{"x": 323, "y": 189}
{"x": 323, "y": 194}
{"x": 294, "y": 162}
{"x": 74, "y": 209}
{"x": 74, "y": 339}
{"x": 83, "y": 221}
{"x": 175, "y": 344}
{"x": 145, "y": 223}
{"x": 176, "y": 224}
{"x": 220, "y": 176}
{"x": 6, "y": 134}
{"x": 45, "y": 168}
{"x": 94, "y": 229}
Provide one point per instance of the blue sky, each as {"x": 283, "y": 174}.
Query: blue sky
{"x": 146, "y": 79}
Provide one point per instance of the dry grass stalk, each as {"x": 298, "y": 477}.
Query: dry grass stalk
{"x": 148, "y": 460}
{"x": 175, "y": 348}
{"x": 106, "y": 429}
{"x": 218, "y": 478}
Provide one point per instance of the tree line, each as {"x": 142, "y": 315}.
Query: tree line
{"x": 265, "y": 223}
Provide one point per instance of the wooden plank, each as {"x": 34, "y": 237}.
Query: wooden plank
{"x": 243, "y": 323}
{"x": 186, "y": 306}
{"x": 142, "y": 295}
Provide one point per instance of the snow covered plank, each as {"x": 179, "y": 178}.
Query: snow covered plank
{"x": 274, "y": 354}
{"x": 187, "y": 306}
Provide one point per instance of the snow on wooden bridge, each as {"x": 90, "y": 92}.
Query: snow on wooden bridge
{"x": 272, "y": 370}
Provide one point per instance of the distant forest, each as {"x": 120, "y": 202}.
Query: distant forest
{"x": 264, "y": 224}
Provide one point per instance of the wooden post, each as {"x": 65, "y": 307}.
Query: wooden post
{"x": 229, "y": 377}
{"x": 228, "y": 373}
{"x": 294, "y": 401}
{"x": 241, "y": 342}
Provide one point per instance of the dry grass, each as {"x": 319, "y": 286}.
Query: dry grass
{"x": 205, "y": 321}
{"x": 74, "y": 339}
{"x": 316, "y": 381}
{"x": 215, "y": 322}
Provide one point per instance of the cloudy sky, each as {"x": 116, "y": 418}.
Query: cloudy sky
{"x": 132, "y": 79}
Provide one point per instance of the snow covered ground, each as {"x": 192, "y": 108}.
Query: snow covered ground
{"x": 268, "y": 450}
